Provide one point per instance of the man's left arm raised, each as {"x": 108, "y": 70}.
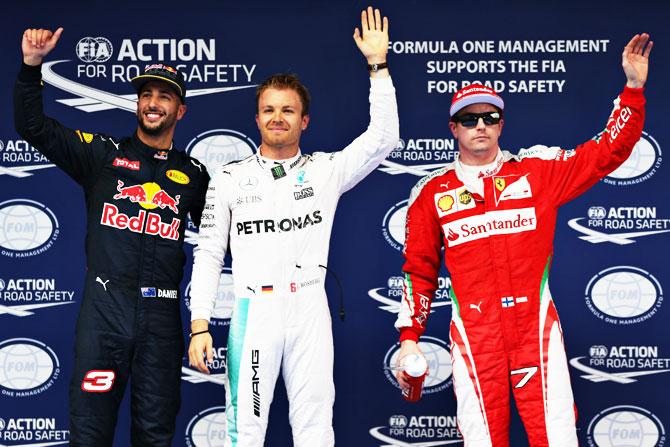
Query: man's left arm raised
{"x": 367, "y": 151}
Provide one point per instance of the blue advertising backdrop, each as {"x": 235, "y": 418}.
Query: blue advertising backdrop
{"x": 558, "y": 67}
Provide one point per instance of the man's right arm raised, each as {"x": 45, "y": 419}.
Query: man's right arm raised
{"x": 78, "y": 153}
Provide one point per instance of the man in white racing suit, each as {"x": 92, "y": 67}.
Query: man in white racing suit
{"x": 276, "y": 211}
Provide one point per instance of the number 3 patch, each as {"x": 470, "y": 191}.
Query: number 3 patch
{"x": 98, "y": 381}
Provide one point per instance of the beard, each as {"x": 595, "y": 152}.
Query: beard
{"x": 158, "y": 129}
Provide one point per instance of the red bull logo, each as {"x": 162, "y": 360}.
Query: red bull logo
{"x": 135, "y": 193}
{"x": 145, "y": 222}
{"x": 148, "y": 196}
{"x": 159, "y": 67}
{"x": 163, "y": 199}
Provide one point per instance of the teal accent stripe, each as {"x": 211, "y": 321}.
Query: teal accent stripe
{"x": 545, "y": 277}
{"x": 238, "y": 329}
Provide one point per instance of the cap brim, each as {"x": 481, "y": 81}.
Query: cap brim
{"x": 139, "y": 81}
{"x": 475, "y": 99}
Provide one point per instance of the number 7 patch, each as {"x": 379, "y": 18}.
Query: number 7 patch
{"x": 528, "y": 373}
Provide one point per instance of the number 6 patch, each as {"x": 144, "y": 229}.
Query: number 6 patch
{"x": 98, "y": 381}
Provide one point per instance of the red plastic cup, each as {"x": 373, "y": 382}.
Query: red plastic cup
{"x": 414, "y": 372}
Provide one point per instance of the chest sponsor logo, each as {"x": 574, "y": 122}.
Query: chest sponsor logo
{"x": 304, "y": 193}
{"x": 148, "y": 195}
{"x": 465, "y": 197}
{"x": 178, "y": 177}
{"x": 248, "y": 200}
{"x": 452, "y": 201}
{"x": 283, "y": 225}
{"x": 300, "y": 177}
{"x": 510, "y": 187}
{"x": 249, "y": 183}
{"x": 489, "y": 224}
{"x": 133, "y": 165}
{"x": 145, "y": 222}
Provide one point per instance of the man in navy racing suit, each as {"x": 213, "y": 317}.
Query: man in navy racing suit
{"x": 139, "y": 191}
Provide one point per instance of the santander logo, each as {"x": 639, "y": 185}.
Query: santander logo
{"x": 475, "y": 90}
{"x": 452, "y": 236}
{"x": 489, "y": 224}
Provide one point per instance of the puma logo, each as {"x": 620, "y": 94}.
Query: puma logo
{"x": 197, "y": 165}
{"x": 104, "y": 283}
{"x": 476, "y": 306}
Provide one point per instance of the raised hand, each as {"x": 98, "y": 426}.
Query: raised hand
{"x": 635, "y": 60}
{"x": 373, "y": 38}
{"x": 37, "y": 43}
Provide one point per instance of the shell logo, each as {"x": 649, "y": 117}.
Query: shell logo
{"x": 445, "y": 203}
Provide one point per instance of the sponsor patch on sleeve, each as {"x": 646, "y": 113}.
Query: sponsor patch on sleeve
{"x": 84, "y": 136}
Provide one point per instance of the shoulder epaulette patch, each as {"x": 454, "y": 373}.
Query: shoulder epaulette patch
{"x": 85, "y": 137}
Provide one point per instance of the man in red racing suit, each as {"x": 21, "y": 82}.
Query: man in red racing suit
{"x": 494, "y": 213}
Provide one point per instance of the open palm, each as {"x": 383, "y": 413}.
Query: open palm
{"x": 635, "y": 60}
{"x": 373, "y": 39}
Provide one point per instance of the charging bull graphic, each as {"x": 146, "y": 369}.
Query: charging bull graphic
{"x": 148, "y": 195}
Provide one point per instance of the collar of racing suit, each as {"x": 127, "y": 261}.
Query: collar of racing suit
{"x": 287, "y": 163}
{"x": 473, "y": 176}
{"x": 150, "y": 150}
